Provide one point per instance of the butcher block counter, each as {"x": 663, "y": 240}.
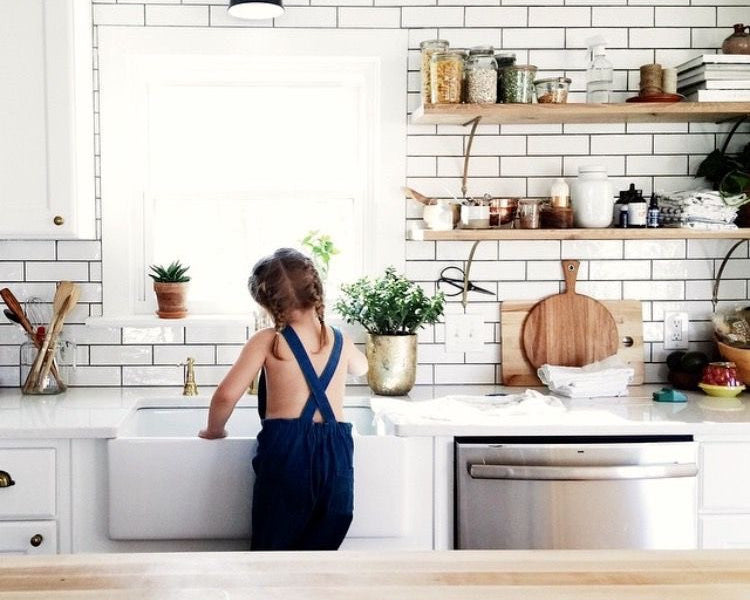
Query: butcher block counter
{"x": 465, "y": 575}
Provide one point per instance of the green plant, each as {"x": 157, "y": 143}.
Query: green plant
{"x": 389, "y": 305}
{"x": 174, "y": 273}
{"x": 728, "y": 173}
{"x": 322, "y": 249}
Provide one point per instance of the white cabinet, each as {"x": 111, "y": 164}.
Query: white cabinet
{"x": 46, "y": 119}
{"x": 724, "y": 514}
{"x": 28, "y": 537}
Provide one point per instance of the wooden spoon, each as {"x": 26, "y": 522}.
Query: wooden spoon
{"x": 419, "y": 197}
{"x": 19, "y": 315}
{"x": 66, "y": 297}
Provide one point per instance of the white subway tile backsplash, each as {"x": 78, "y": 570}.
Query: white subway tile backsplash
{"x": 153, "y": 335}
{"x": 304, "y": 16}
{"x": 511, "y": 166}
{"x": 656, "y": 165}
{"x": 559, "y": 16}
{"x": 529, "y": 250}
{"x": 685, "y": 17}
{"x": 85, "y": 376}
{"x": 654, "y": 248}
{"x": 714, "y": 249}
{"x": 216, "y": 334}
{"x": 460, "y": 250}
{"x": 452, "y": 373}
{"x": 653, "y": 290}
{"x": 472, "y": 36}
{"x": 585, "y": 249}
{"x": 526, "y": 290}
{"x": 683, "y": 269}
{"x": 195, "y": 16}
{"x": 153, "y": 376}
{"x": 480, "y": 166}
{"x": 534, "y": 38}
{"x": 11, "y": 271}
{"x": 27, "y": 250}
{"x": 625, "y": 144}
{"x": 57, "y": 271}
{"x": 430, "y": 16}
{"x": 664, "y": 37}
{"x": 728, "y": 15}
{"x": 433, "y": 145}
{"x": 615, "y": 16}
{"x": 684, "y": 144}
{"x": 499, "y": 16}
{"x": 119, "y": 14}
{"x": 619, "y": 269}
{"x": 120, "y": 355}
{"x": 369, "y": 17}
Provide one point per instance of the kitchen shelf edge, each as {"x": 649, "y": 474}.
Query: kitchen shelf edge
{"x": 662, "y": 233}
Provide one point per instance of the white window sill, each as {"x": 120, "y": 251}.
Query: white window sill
{"x": 154, "y": 321}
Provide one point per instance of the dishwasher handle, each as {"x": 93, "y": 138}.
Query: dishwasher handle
{"x": 583, "y": 473}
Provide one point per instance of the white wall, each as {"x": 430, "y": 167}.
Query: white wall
{"x": 510, "y": 160}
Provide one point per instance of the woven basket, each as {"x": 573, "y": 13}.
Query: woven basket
{"x": 739, "y": 356}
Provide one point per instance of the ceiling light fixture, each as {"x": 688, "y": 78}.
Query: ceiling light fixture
{"x": 256, "y": 9}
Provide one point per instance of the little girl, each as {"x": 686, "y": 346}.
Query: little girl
{"x": 303, "y": 494}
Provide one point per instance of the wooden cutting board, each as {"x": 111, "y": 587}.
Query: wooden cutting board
{"x": 568, "y": 329}
{"x": 516, "y": 370}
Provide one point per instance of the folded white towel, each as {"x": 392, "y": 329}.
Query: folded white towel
{"x": 608, "y": 377}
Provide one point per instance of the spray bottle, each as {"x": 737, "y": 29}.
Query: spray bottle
{"x": 599, "y": 73}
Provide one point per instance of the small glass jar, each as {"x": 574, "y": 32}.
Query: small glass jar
{"x": 503, "y": 60}
{"x": 518, "y": 84}
{"x": 529, "y": 212}
{"x": 481, "y": 76}
{"x": 446, "y": 77}
{"x": 428, "y": 48}
{"x": 721, "y": 373}
{"x": 592, "y": 197}
{"x": 553, "y": 90}
{"x": 56, "y": 380}
{"x": 503, "y": 212}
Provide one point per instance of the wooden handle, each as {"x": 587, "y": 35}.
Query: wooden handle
{"x": 51, "y": 349}
{"x": 419, "y": 197}
{"x": 15, "y": 307}
{"x": 570, "y": 271}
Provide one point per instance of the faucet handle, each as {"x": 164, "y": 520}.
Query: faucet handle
{"x": 191, "y": 387}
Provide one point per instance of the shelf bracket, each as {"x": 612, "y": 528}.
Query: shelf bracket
{"x": 474, "y": 124}
{"x": 467, "y": 268}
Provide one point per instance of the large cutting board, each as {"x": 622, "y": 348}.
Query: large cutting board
{"x": 569, "y": 329}
{"x": 516, "y": 370}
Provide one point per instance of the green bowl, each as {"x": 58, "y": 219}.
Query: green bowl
{"x": 721, "y": 391}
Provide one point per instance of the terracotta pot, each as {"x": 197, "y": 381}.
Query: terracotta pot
{"x": 172, "y": 299}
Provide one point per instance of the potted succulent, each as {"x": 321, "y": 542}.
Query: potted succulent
{"x": 391, "y": 309}
{"x": 170, "y": 286}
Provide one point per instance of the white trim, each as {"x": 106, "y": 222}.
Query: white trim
{"x": 127, "y": 57}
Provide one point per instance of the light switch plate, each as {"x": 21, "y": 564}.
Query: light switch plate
{"x": 464, "y": 333}
{"x": 676, "y": 331}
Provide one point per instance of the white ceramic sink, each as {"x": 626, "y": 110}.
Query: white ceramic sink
{"x": 166, "y": 483}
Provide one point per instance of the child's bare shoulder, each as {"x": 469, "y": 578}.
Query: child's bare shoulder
{"x": 262, "y": 338}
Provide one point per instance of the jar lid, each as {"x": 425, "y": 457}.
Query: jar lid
{"x": 442, "y": 54}
{"x": 524, "y": 67}
{"x": 553, "y": 80}
{"x": 506, "y": 55}
{"x": 592, "y": 169}
{"x": 481, "y": 50}
{"x": 428, "y": 43}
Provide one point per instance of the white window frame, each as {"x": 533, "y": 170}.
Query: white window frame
{"x": 132, "y": 58}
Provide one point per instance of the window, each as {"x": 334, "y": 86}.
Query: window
{"x": 219, "y": 146}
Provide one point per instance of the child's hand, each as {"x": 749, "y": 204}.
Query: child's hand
{"x": 207, "y": 434}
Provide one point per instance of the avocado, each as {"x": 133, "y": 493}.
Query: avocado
{"x": 693, "y": 362}
{"x": 675, "y": 359}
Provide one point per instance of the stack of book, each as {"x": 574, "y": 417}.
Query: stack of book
{"x": 715, "y": 78}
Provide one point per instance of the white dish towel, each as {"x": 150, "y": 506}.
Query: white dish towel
{"x": 608, "y": 377}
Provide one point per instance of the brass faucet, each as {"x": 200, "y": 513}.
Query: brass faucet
{"x": 190, "y": 388}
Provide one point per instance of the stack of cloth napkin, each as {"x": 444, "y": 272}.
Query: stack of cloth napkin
{"x": 698, "y": 209}
{"x": 608, "y": 377}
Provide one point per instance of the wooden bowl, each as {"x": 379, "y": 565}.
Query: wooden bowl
{"x": 740, "y": 357}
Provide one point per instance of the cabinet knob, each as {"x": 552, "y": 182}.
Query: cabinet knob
{"x": 58, "y": 220}
{"x": 36, "y": 540}
{"x": 6, "y": 480}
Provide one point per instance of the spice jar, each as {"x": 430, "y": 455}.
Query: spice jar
{"x": 481, "y": 76}
{"x": 553, "y": 90}
{"x": 528, "y": 213}
{"x": 503, "y": 60}
{"x": 503, "y": 212}
{"x": 446, "y": 77}
{"x": 518, "y": 84}
{"x": 428, "y": 48}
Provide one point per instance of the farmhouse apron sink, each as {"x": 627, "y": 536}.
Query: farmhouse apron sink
{"x": 166, "y": 483}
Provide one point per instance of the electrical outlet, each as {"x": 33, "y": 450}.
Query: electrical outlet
{"x": 464, "y": 333}
{"x": 676, "y": 331}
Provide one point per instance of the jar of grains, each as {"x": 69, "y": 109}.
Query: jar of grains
{"x": 503, "y": 60}
{"x": 428, "y": 48}
{"x": 481, "y": 76}
{"x": 518, "y": 84}
{"x": 446, "y": 77}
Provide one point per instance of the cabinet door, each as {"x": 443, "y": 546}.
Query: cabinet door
{"x": 725, "y": 480}
{"x": 46, "y": 116}
{"x": 30, "y": 537}
{"x": 725, "y": 531}
{"x": 32, "y": 493}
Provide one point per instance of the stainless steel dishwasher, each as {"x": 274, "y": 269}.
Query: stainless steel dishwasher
{"x": 580, "y": 492}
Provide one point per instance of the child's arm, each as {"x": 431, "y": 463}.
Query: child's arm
{"x": 356, "y": 361}
{"x": 235, "y": 384}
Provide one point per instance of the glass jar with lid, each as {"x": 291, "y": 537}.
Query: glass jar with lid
{"x": 428, "y": 48}
{"x": 503, "y": 60}
{"x": 518, "y": 84}
{"x": 481, "y": 76}
{"x": 446, "y": 77}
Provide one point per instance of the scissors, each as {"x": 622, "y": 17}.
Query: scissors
{"x": 452, "y": 279}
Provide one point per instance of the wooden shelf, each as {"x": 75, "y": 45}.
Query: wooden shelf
{"x": 676, "y": 112}
{"x": 662, "y": 233}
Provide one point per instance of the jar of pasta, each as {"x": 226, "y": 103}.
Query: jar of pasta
{"x": 481, "y": 76}
{"x": 428, "y": 48}
{"x": 446, "y": 77}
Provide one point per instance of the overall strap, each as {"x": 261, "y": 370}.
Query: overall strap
{"x": 262, "y": 394}
{"x": 318, "y": 398}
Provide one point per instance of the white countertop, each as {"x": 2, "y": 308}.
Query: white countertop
{"x": 99, "y": 412}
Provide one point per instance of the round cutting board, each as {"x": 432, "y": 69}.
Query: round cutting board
{"x": 569, "y": 329}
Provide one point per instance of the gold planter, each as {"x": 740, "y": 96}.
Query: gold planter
{"x": 392, "y": 361}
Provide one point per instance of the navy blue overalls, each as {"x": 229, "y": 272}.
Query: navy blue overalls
{"x": 303, "y": 497}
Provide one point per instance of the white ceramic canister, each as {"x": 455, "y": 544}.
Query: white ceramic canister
{"x": 592, "y": 197}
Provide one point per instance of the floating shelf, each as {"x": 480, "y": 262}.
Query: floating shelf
{"x": 662, "y": 233}
{"x": 674, "y": 112}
